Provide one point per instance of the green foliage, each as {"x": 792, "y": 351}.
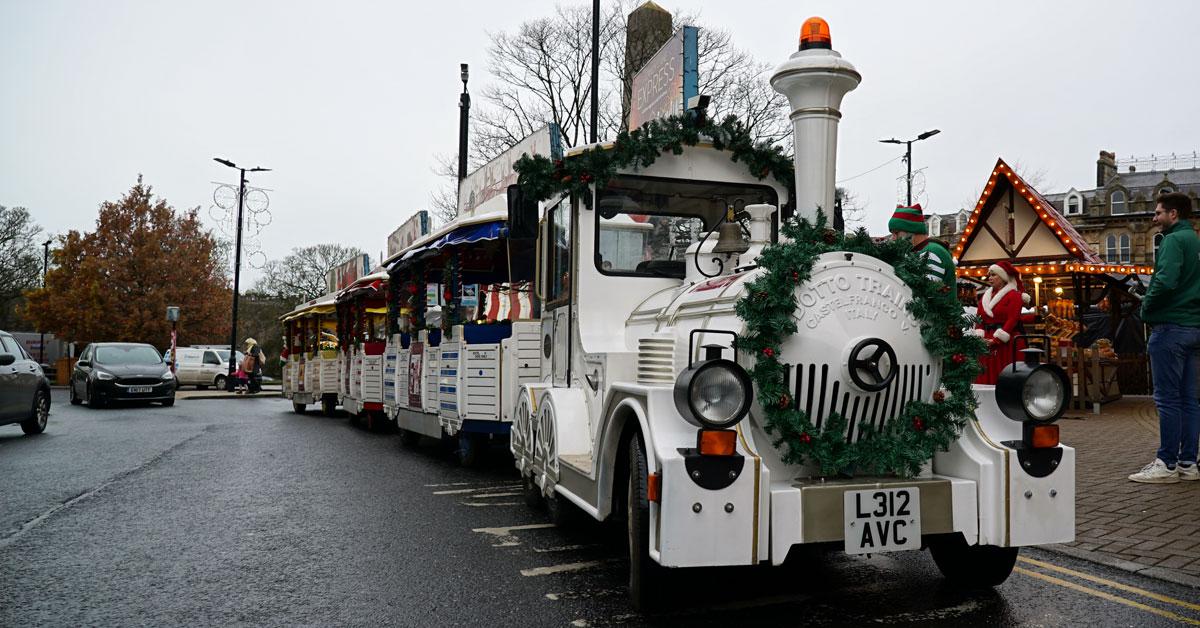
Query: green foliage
{"x": 900, "y": 446}
{"x": 542, "y": 178}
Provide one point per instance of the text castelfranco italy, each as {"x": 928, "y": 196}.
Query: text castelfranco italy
{"x": 873, "y": 295}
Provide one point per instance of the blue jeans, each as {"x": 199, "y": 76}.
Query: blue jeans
{"x": 1175, "y": 361}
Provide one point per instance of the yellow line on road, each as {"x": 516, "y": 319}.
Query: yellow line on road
{"x": 1108, "y": 596}
{"x": 1109, "y": 583}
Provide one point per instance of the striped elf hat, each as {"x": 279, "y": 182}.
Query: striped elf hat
{"x": 908, "y": 220}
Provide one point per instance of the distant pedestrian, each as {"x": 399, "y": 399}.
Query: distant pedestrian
{"x": 240, "y": 380}
{"x": 254, "y": 362}
{"x": 1172, "y": 306}
{"x": 908, "y": 223}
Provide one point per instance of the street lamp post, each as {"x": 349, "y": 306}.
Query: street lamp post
{"x": 464, "y": 116}
{"x": 45, "y": 267}
{"x": 908, "y": 157}
{"x": 237, "y": 265}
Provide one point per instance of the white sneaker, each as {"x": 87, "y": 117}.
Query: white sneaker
{"x": 1187, "y": 472}
{"x": 1156, "y": 473}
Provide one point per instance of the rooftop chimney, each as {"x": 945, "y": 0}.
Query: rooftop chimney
{"x": 1106, "y": 168}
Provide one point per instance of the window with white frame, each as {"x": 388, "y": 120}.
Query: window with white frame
{"x": 1158, "y": 238}
{"x": 1117, "y": 204}
{"x": 960, "y": 223}
{"x": 1074, "y": 204}
{"x": 1110, "y": 249}
{"x": 935, "y": 226}
{"x": 1125, "y": 250}
{"x": 1166, "y": 189}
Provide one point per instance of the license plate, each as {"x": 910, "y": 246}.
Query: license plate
{"x": 140, "y": 389}
{"x": 882, "y": 520}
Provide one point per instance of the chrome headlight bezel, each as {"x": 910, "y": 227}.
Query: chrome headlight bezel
{"x": 689, "y": 377}
{"x": 105, "y": 375}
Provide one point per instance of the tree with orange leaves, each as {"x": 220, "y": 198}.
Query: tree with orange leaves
{"x": 115, "y": 283}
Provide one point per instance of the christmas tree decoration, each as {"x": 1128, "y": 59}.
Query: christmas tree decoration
{"x": 895, "y": 447}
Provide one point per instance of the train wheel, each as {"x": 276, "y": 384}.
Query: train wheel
{"x": 531, "y": 492}
{"x": 647, "y": 579}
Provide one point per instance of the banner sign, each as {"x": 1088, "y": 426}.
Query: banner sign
{"x": 409, "y": 232}
{"x": 663, "y": 86}
{"x": 348, "y": 272}
{"x": 416, "y": 352}
{"x": 492, "y": 180}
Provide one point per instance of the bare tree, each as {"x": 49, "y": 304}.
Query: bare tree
{"x": 444, "y": 200}
{"x": 20, "y": 261}
{"x": 300, "y": 276}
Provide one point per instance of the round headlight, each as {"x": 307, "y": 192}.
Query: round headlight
{"x": 1033, "y": 392}
{"x": 713, "y": 394}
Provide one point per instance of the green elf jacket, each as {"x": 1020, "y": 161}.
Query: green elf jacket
{"x": 939, "y": 265}
{"x": 1174, "y": 292}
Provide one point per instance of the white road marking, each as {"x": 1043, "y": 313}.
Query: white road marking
{"x": 491, "y": 495}
{"x": 580, "y": 623}
{"x": 483, "y": 504}
{"x": 491, "y": 483}
{"x": 563, "y": 568}
{"x": 505, "y": 535}
{"x": 563, "y": 548}
{"x": 552, "y": 596}
{"x": 493, "y": 487}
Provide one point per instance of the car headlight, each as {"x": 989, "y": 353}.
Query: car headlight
{"x": 105, "y": 375}
{"x": 713, "y": 394}
{"x": 167, "y": 376}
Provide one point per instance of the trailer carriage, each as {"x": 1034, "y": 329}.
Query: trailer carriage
{"x": 310, "y": 371}
{"x": 362, "y": 338}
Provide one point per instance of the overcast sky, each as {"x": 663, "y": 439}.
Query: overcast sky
{"x": 349, "y": 101}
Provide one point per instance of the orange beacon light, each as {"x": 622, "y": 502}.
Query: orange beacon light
{"x": 815, "y": 34}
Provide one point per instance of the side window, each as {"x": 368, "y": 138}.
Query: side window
{"x": 9, "y": 345}
{"x": 210, "y": 357}
{"x": 1110, "y": 249}
{"x": 1117, "y": 203}
{"x": 558, "y": 254}
{"x": 1126, "y": 252}
{"x": 1158, "y": 238}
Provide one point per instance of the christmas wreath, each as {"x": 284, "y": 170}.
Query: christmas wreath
{"x": 900, "y": 446}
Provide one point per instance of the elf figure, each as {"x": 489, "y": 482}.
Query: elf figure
{"x": 908, "y": 223}
{"x": 1000, "y": 310}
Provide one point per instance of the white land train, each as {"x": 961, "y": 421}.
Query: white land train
{"x": 636, "y": 357}
{"x": 362, "y": 322}
{"x": 461, "y": 385}
{"x": 310, "y": 373}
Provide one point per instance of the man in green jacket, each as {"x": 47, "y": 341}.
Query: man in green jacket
{"x": 1172, "y": 306}
{"x": 909, "y": 223}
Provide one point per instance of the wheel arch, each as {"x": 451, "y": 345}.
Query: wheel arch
{"x": 627, "y": 418}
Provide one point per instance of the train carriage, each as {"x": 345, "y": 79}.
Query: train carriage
{"x": 310, "y": 371}
{"x": 362, "y": 338}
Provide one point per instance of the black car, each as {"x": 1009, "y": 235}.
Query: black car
{"x": 24, "y": 389}
{"x": 121, "y": 371}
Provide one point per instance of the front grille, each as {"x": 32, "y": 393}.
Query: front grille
{"x": 139, "y": 381}
{"x": 820, "y": 393}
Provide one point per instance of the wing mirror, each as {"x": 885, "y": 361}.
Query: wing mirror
{"x": 84, "y": 363}
{"x": 7, "y": 359}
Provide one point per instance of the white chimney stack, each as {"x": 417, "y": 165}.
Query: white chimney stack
{"x": 814, "y": 80}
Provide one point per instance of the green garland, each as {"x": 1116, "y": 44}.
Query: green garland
{"x": 541, "y": 178}
{"x": 901, "y": 446}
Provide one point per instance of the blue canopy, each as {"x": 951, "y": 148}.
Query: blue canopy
{"x": 468, "y": 234}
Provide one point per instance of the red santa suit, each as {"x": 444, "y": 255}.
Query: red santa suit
{"x": 1000, "y": 311}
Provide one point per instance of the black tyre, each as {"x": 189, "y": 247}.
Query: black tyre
{"x": 74, "y": 398}
{"x": 298, "y": 407}
{"x": 329, "y": 405}
{"x": 647, "y": 579}
{"x": 409, "y": 438}
{"x": 167, "y": 403}
{"x": 470, "y": 449}
{"x": 531, "y": 493}
{"x": 219, "y": 382}
{"x": 971, "y": 566}
{"x": 39, "y": 415}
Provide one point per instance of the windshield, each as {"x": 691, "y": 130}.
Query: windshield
{"x": 225, "y": 355}
{"x": 140, "y": 355}
{"x": 644, "y": 226}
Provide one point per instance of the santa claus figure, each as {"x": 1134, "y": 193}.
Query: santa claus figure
{"x": 1000, "y": 310}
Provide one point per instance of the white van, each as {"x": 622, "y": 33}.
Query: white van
{"x": 202, "y": 367}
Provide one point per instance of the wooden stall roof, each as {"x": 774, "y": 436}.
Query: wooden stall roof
{"x": 1013, "y": 221}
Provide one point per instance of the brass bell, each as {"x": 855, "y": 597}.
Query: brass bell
{"x": 730, "y": 240}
